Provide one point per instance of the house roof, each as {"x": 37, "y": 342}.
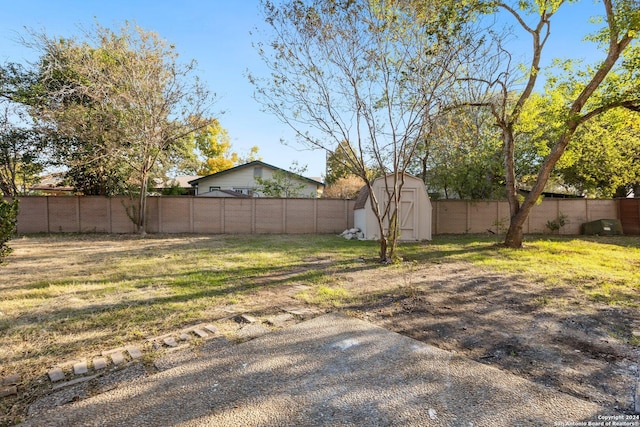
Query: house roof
{"x": 52, "y": 182}
{"x": 181, "y": 181}
{"x": 252, "y": 164}
{"x": 224, "y": 193}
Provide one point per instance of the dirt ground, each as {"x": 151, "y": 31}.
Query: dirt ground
{"x": 553, "y": 337}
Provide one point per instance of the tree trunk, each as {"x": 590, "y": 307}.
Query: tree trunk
{"x": 383, "y": 249}
{"x": 393, "y": 235}
{"x": 514, "y": 235}
{"x": 513, "y": 239}
{"x": 142, "y": 206}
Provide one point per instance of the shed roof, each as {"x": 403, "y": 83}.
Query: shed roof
{"x": 361, "y": 200}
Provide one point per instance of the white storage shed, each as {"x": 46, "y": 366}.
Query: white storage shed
{"x": 415, "y": 209}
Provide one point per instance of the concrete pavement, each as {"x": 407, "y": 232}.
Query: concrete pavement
{"x": 329, "y": 371}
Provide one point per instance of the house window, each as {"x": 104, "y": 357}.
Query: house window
{"x": 257, "y": 172}
{"x": 214, "y": 188}
{"x": 244, "y": 190}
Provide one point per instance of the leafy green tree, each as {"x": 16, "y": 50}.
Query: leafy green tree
{"x": 603, "y": 156}
{"x": 8, "y": 218}
{"x": 370, "y": 72}
{"x": 22, "y": 149}
{"x": 21, "y": 159}
{"x": 339, "y": 162}
{"x": 593, "y": 89}
{"x": 122, "y": 97}
{"x": 460, "y": 157}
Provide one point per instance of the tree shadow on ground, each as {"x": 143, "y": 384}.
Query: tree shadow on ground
{"x": 329, "y": 371}
{"x": 517, "y": 326}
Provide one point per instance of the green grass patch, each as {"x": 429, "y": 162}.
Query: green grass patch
{"x": 605, "y": 269}
{"x": 326, "y": 296}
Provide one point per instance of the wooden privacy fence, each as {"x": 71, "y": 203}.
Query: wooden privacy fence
{"x": 185, "y": 215}
{"x": 205, "y": 215}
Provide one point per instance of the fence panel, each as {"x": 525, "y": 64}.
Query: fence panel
{"x": 269, "y": 217}
{"x": 64, "y": 215}
{"x": 296, "y": 216}
{"x": 301, "y": 216}
{"x": 33, "y": 216}
{"x": 450, "y": 217}
{"x": 121, "y": 210}
{"x": 94, "y": 215}
{"x": 174, "y": 214}
{"x": 488, "y": 215}
{"x": 334, "y": 216}
{"x": 238, "y": 216}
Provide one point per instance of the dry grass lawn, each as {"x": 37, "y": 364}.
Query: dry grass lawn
{"x": 68, "y": 297}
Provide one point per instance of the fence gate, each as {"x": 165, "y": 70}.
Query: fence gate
{"x": 629, "y": 211}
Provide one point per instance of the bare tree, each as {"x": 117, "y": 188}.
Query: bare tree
{"x": 362, "y": 74}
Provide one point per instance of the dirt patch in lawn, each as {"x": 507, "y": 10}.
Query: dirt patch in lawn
{"x": 550, "y": 336}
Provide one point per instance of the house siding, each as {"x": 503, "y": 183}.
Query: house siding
{"x": 244, "y": 179}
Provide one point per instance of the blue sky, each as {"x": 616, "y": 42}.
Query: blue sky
{"x": 216, "y": 33}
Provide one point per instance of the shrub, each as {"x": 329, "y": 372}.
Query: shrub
{"x": 8, "y": 218}
{"x": 555, "y": 225}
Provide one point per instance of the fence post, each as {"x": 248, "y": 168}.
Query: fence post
{"x": 315, "y": 216}
{"x": 223, "y": 211}
{"x": 468, "y": 215}
{"x": 191, "y": 216}
{"x": 346, "y": 214}
{"x": 253, "y": 215}
{"x": 48, "y": 215}
{"x": 78, "y": 214}
{"x": 284, "y": 215}
{"x": 586, "y": 210}
{"x": 436, "y": 208}
{"x": 109, "y": 216}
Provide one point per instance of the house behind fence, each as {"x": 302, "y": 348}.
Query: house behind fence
{"x": 181, "y": 214}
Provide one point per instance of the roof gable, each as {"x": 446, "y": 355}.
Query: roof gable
{"x": 253, "y": 164}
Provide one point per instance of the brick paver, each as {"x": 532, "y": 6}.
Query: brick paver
{"x": 170, "y": 341}
{"x": 56, "y": 374}
{"x": 99, "y": 363}
{"x": 200, "y": 333}
{"x": 8, "y": 390}
{"x": 80, "y": 368}
{"x": 10, "y": 380}
{"x": 133, "y": 351}
{"x": 117, "y": 358}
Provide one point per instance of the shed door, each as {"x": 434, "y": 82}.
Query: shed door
{"x": 407, "y": 213}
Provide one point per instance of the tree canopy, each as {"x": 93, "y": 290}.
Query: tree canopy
{"x": 119, "y": 104}
{"x": 505, "y": 87}
{"x": 208, "y": 151}
{"x": 368, "y": 74}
